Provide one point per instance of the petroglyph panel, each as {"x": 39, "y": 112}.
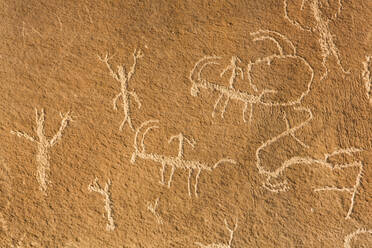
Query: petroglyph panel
{"x": 209, "y": 124}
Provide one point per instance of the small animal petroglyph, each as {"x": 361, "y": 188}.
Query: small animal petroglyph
{"x": 290, "y": 131}
{"x": 228, "y": 245}
{"x": 123, "y": 78}
{"x": 367, "y": 77}
{"x": 327, "y": 45}
{"x": 173, "y": 161}
{"x": 152, "y": 208}
{"x": 353, "y": 235}
{"x": 230, "y": 93}
{"x": 95, "y": 187}
{"x": 353, "y": 190}
{"x": 43, "y": 145}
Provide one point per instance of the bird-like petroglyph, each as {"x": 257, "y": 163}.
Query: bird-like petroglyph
{"x": 43, "y": 145}
{"x": 354, "y": 235}
{"x": 123, "y": 78}
{"x": 173, "y": 162}
{"x": 152, "y": 208}
{"x": 367, "y": 77}
{"x": 326, "y": 38}
{"x": 221, "y": 245}
{"x": 105, "y": 192}
{"x": 286, "y": 50}
{"x": 351, "y": 190}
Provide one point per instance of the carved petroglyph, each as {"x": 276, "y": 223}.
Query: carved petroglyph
{"x": 248, "y": 100}
{"x": 290, "y": 131}
{"x": 5, "y": 189}
{"x": 228, "y": 245}
{"x": 105, "y": 192}
{"x": 326, "y": 42}
{"x": 228, "y": 92}
{"x": 352, "y": 190}
{"x": 367, "y": 77}
{"x": 354, "y": 235}
{"x": 235, "y": 71}
{"x": 296, "y": 160}
{"x": 123, "y": 78}
{"x": 286, "y": 50}
{"x": 152, "y": 208}
{"x": 173, "y": 162}
{"x": 43, "y": 145}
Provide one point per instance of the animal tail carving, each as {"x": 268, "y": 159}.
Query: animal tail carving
{"x": 224, "y": 160}
{"x": 142, "y": 149}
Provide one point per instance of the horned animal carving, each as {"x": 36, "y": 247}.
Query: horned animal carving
{"x": 173, "y": 162}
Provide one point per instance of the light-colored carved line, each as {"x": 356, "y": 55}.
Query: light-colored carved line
{"x": 287, "y": 163}
{"x": 353, "y": 235}
{"x": 367, "y": 78}
{"x": 264, "y": 34}
{"x": 293, "y": 22}
{"x": 334, "y": 189}
{"x": 353, "y": 191}
{"x": 292, "y": 54}
{"x": 235, "y": 71}
{"x": 221, "y": 245}
{"x": 152, "y": 208}
{"x": 292, "y": 133}
{"x": 326, "y": 42}
{"x": 5, "y": 188}
{"x": 43, "y": 145}
{"x": 174, "y": 162}
{"x": 123, "y": 78}
{"x": 105, "y": 192}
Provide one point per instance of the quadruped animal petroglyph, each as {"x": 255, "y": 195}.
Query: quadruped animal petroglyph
{"x": 123, "y": 78}
{"x": 105, "y": 192}
{"x": 43, "y": 145}
{"x": 175, "y": 162}
{"x": 326, "y": 38}
{"x": 354, "y": 235}
{"x": 286, "y": 50}
{"x": 221, "y": 245}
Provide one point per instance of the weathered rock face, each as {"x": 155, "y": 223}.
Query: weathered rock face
{"x": 186, "y": 124}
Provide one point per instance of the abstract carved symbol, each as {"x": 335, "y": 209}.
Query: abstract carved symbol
{"x": 290, "y": 131}
{"x": 152, "y": 208}
{"x": 228, "y": 245}
{"x": 353, "y": 235}
{"x": 105, "y": 192}
{"x": 43, "y": 145}
{"x": 326, "y": 42}
{"x": 123, "y": 78}
{"x": 367, "y": 77}
{"x": 172, "y": 161}
{"x": 285, "y": 51}
{"x": 353, "y": 190}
